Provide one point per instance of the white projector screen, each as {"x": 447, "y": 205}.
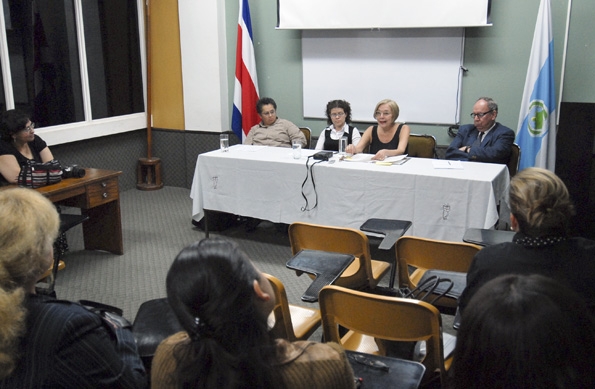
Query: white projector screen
{"x": 345, "y": 14}
{"x": 418, "y": 68}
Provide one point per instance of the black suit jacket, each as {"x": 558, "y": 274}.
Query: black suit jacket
{"x": 495, "y": 148}
{"x": 571, "y": 262}
{"x": 66, "y": 346}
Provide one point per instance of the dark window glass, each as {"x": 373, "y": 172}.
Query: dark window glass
{"x": 113, "y": 57}
{"x": 44, "y": 60}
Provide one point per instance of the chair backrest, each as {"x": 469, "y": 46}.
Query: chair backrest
{"x": 424, "y": 253}
{"x": 389, "y": 318}
{"x": 422, "y": 146}
{"x": 515, "y": 159}
{"x": 339, "y": 240}
{"x": 308, "y": 134}
{"x": 296, "y": 325}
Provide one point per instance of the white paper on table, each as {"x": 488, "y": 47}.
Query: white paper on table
{"x": 444, "y": 164}
{"x": 368, "y": 158}
{"x": 396, "y": 158}
{"x": 359, "y": 158}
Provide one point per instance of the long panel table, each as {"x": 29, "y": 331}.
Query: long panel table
{"x": 266, "y": 183}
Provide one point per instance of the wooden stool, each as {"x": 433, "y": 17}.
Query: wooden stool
{"x": 148, "y": 174}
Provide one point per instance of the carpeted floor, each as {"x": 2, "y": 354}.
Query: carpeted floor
{"x": 156, "y": 226}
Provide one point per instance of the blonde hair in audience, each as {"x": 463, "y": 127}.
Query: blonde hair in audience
{"x": 29, "y": 227}
{"x": 540, "y": 202}
{"x": 394, "y": 108}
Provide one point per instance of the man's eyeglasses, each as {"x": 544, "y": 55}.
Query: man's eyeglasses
{"x": 29, "y": 128}
{"x": 270, "y": 113}
{"x": 337, "y": 115}
{"x": 480, "y": 115}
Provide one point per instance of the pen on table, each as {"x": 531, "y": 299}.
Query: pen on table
{"x": 449, "y": 162}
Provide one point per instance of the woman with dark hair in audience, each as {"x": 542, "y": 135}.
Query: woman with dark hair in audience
{"x": 338, "y": 116}
{"x": 44, "y": 342}
{"x": 388, "y": 137}
{"x": 541, "y": 212}
{"x": 223, "y": 302}
{"x": 18, "y": 144}
{"x": 525, "y": 332}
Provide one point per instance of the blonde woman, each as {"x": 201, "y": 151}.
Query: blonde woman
{"x": 388, "y": 138}
{"x": 44, "y": 342}
{"x": 541, "y": 212}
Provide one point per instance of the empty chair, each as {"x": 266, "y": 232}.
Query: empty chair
{"x": 392, "y": 229}
{"x": 427, "y": 255}
{"x": 367, "y": 316}
{"x": 292, "y": 322}
{"x": 154, "y": 321}
{"x": 515, "y": 159}
{"x": 308, "y": 134}
{"x": 422, "y": 146}
{"x": 362, "y": 273}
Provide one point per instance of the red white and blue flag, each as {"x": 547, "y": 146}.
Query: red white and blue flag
{"x": 246, "y": 83}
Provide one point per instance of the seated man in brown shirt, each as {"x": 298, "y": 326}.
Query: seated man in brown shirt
{"x": 272, "y": 131}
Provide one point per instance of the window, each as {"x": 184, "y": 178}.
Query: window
{"x": 75, "y": 66}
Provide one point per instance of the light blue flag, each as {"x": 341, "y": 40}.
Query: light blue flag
{"x": 537, "y": 120}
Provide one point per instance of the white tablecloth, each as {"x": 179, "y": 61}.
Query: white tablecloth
{"x": 266, "y": 183}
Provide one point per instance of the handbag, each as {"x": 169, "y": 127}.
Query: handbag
{"x": 427, "y": 287}
{"x": 36, "y": 174}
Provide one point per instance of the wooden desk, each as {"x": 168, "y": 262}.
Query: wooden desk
{"x": 97, "y": 195}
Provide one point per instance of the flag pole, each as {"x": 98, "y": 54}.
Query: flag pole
{"x": 564, "y": 53}
{"x": 148, "y": 173}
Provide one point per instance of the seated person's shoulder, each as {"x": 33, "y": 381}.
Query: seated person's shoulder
{"x": 62, "y": 310}
{"x": 308, "y": 351}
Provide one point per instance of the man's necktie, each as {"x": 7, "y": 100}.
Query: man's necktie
{"x": 477, "y": 142}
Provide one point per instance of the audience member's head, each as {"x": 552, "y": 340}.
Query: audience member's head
{"x": 387, "y": 104}
{"x": 338, "y": 105}
{"x": 539, "y": 203}
{"x": 11, "y": 122}
{"x": 525, "y": 332}
{"x": 223, "y": 302}
{"x": 28, "y": 227}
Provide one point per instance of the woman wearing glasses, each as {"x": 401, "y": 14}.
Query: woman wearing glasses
{"x": 18, "y": 143}
{"x": 338, "y": 116}
{"x": 386, "y": 139}
{"x": 485, "y": 140}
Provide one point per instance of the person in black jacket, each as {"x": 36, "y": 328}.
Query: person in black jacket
{"x": 46, "y": 342}
{"x": 541, "y": 213}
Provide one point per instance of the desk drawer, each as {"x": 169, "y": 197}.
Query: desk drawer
{"x": 102, "y": 192}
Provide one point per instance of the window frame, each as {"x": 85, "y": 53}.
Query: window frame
{"x": 89, "y": 128}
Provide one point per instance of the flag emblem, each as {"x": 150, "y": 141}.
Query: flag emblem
{"x": 538, "y": 114}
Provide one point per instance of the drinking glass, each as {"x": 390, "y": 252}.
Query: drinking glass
{"x": 224, "y": 142}
{"x": 296, "y": 145}
{"x": 342, "y": 145}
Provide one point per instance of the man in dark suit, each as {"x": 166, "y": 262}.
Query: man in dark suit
{"x": 485, "y": 140}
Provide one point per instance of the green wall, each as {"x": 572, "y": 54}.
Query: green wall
{"x": 496, "y": 56}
